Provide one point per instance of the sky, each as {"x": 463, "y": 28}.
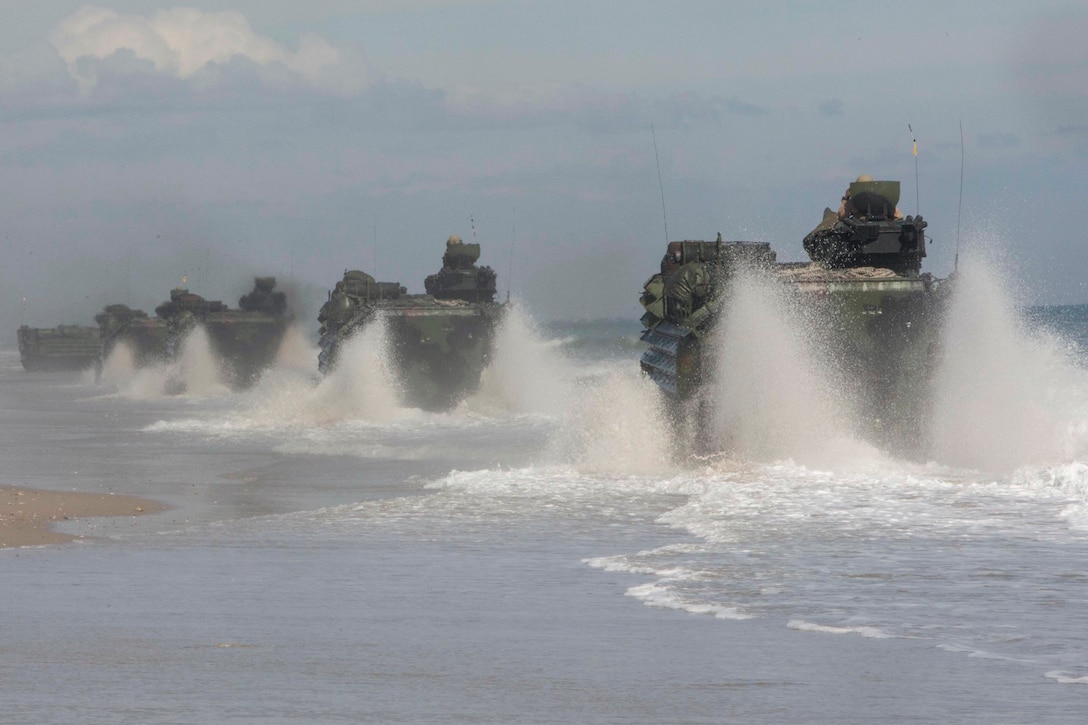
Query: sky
{"x": 144, "y": 142}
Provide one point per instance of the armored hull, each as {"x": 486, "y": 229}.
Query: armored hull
{"x": 67, "y": 347}
{"x": 244, "y": 340}
{"x": 437, "y": 343}
{"x": 864, "y": 303}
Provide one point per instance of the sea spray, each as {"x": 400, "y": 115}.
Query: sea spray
{"x": 196, "y": 371}
{"x": 1004, "y": 396}
{"x": 286, "y": 389}
{"x": 621, "y": 428}
{"x": 119, "y": 366}
{"x": 359, "y": 389}
{"x": 296, "y": 352}
{"x": 609, "y": 419}
{"x": 527, "y": 374}
{"x": 362, "y": 386}
{"x": 775, "y": 395}
{"x": 122, "y": 373}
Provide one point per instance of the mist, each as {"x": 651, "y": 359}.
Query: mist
{"x": 300, "y": 145}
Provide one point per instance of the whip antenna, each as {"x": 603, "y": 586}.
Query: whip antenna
{"x": 959, "y": 211}
{"x": 917, "y": 203}
{"x": 510, "y": 263}
{"x": 660, "y": 185}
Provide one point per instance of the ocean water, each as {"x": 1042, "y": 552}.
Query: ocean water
{"x": 542, "y": 554}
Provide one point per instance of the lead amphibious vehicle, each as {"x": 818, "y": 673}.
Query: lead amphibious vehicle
{"x": 863, "y": 295}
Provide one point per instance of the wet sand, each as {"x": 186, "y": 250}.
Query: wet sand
{"x": 27, "y": 515}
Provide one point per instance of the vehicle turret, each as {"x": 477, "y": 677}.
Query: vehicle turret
{"x": 183, "y": 301}
{"x": 870, "y": 234}
{"x": 460, "y": 278}
{"x": 438, "y": 343}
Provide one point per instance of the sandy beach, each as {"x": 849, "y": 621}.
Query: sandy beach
{"x": 27, "y": 515}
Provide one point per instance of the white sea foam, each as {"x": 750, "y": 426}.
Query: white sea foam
{"x": 1066, "y": 678}
{"x": 618, "y": 564}
{"x": 977, "y": 653}
{"x": 554, "y": 484}
{"x": 657, "y": 595}
{"x": 1067, "y": 481}
{"x": 870, "y": 632}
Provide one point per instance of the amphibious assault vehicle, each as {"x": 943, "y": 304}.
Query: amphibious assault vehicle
{"x": 66, "y": 347}
{"x": 863, "y": 297}
{"x": 439, "y": 342}
{"x": 245, "y": 340}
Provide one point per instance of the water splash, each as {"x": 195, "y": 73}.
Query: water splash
{"x": 775, "y": 395}
{"x": 296, "y": 352}
{"x": 198, "y": 370}
{"x": 1004, "y": 395}
{"x": 195, "y": 372}
{"x": 119, "y": 367}
{"x": 527, "y": 373}
{"x": 621, "y": 427}
{"x": 362, "y": 386}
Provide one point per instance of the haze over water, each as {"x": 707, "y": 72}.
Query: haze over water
{"x": 543, "y": 554}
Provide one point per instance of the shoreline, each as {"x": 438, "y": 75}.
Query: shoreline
{"x": 27, "y": 515}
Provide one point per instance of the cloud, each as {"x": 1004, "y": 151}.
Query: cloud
{"x": 831, "y": 107}
{"x": 735, "y": 105}
{"x": 1079, "y": 129}
{"x": 189, "y": 44}
{"x": 998, "y": 141}
{"x": 542, "y": 104}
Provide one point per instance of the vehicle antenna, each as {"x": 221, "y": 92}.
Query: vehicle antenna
{"x": 660, "y": 185}
{"x": 917, "y": 203}
{"x": 510, "y": 264}
{"x": 472, "y": 223}
{"x": 959, "y": 211}
{"x": 374, "y": 254}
